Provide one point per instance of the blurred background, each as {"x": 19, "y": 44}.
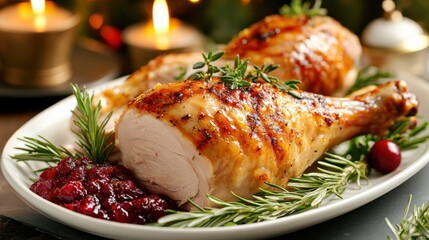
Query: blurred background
{"x": 218, "y": 20}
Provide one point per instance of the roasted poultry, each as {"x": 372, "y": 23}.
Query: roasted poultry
{"x": 316, "y": 50}
{"x": 163, "y": 69}
{"x": 191, "y": 138}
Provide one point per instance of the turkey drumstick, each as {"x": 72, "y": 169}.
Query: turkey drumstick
{"x": 192, "y": 138}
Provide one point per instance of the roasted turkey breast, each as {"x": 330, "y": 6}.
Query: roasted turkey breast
{"x": 319, "y": 51}
{"x": 191, "y": 138}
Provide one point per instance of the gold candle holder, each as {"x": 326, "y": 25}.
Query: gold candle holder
{"x": 35, "y": 50}
{"x": 144, "y": 45}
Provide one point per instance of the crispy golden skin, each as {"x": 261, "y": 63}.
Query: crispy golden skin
{"x": 318, "y": 51}
{"x": 192, "y": 138}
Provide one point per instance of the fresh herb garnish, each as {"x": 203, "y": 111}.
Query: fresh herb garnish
{"x": 235, "y": 77}
{"x": 92, "y": 138}
{"x": 211, "y": 69}
{"x": 413, "y": 226}
{"x": 369, "y": 76}
{"x": 181, "y": 75}
{"x": 262, "y": 73}
{"x": 41, "y": 149}
{"x": 238, "y": 76}
{"x": 306, "y": 192}
{"x": 296, "y": 7}
{"x": 402, "y": 133}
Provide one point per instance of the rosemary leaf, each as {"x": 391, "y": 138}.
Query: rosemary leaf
{"x": 41, "y": 149}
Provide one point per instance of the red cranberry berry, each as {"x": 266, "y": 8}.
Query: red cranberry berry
{"x": 65, "y": 166}
{"x": 385, "y": 156}
{"x": 71, "y": 191}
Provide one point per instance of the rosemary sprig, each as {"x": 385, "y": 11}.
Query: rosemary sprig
{"x": 413, "y": 226}
{"x": 368, "y": 76}
{"x": 307, "y": 192}
{"x": 41, "y": 149}
{"x": 298, "y": 8}
{"x": 93, "y": 140}
{"x": 406, "y": 137}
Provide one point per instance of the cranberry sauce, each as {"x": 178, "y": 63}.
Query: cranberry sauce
{"x": 100, "y": 190}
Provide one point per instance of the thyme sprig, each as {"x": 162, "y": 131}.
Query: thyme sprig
{"x": 239, "y": 76}
{"x": 92, "y": 138}
{"x": 413, "y": 226}
{"x": 262, "y": 73}
{"x": 307, "y": 192}
{"x": 235, "y": 77}
{"x": 208, "y": 62}
{"x": 297, "y": 7}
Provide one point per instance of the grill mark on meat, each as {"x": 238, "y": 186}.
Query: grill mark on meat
{"x": 263, "y": 113}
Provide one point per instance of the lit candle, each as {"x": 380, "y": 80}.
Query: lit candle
{"x": 35, "y": 43}
{"x": 36, "y": 16}
{"x": 161, "y": 35}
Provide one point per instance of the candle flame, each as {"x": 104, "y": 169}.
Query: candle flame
{"x": 38, "y": 7}
{"x": 161, "y": 23}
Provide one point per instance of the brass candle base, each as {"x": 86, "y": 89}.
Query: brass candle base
{"x": 37, "y": 59}
{"x": 46, "y": 77}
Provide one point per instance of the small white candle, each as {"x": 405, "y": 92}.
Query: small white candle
{"x": 162, "y": 35}
{"x": 20, "y": 17}
{"x": 179, "y": 36}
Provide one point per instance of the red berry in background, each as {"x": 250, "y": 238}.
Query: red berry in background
{"x": 111, "y": 36}
{"x": 385, "y": 156}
